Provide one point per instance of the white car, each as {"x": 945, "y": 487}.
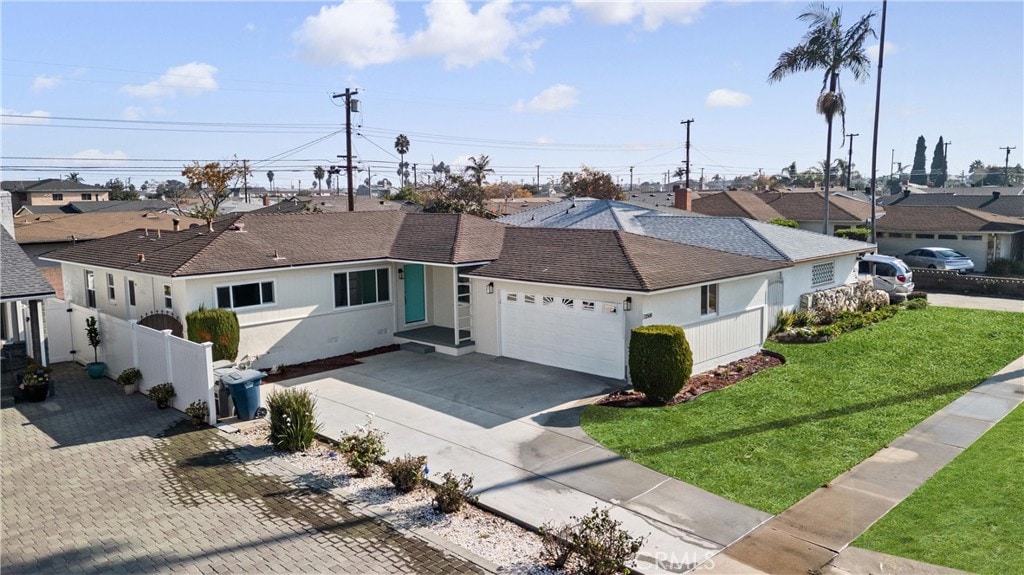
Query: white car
{"x": 939, "y": 259}
{"x": 888, "y": 273}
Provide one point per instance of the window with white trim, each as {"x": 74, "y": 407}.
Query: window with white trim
{"x": 131, "y": 292}
{"x": 168, "y": 302}
{"x": 111, "y": 293}
{"x": 709, "y": 299}
{"x": 361, "y": 288}
{"x": 87, "y": 197}
{"x": 57, "y": 197}
{"x": 90, "y": 288}
{"x": 823, "y": 273}
{"x": 245, "y": 295}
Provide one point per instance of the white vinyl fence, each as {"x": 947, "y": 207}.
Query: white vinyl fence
{"x": 160, "y": 356}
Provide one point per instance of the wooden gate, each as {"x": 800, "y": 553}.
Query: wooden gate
{"x": 162, "y": 321}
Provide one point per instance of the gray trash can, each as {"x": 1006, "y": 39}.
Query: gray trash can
{"x": 225, "y": 405}
{"x": 245, "y": 391}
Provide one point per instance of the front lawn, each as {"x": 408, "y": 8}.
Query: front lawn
{"x": 774, "y": 438}
{"x": 968, "y": 515}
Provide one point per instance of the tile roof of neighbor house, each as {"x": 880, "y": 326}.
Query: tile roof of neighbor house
{"x": 48, "y": 228}
{"x": 266, "y": 241}
{"x": 90, "y": 207}
{"x": 799, "y": 206}
{"x": 20, "y": 278}
{"x": 735, "y": 204}
{"x": 504, "y": 207}
{"x": 729, "y": 234}
{"x": 1004, "y": 205}
{"x": 612, "y": 259}
{"x": 945, "y": 219}
{"x": 49, "y": 185}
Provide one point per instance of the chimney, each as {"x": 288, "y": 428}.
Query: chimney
{"x": 177, "y": 224}
{"x": 266, "y": 200}
{"x": 683, "y": 198}
{"x": 906, "y": 192}
{"x": 996, "y": 194}
{"x": 142, "y": 258}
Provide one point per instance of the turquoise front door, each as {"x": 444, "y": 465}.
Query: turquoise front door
{"x": 415, "y": 299}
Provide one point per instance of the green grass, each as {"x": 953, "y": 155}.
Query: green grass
{"x": 772, "y": 439}
{"x": 968, "y": 515}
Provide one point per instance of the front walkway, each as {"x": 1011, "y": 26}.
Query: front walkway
{"x": 94, "y": 481}
{"x": 514, "y": 426}
{"x": 809, "y": 535}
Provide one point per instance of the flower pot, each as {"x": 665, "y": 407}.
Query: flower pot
{"x": 96, "y": 369}
{"x": 130, "y": 388}
{"x": 37, "y": 393}
{"x": 163, "y": 404}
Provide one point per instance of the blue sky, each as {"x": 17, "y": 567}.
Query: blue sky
{"x": 137, "y": 89}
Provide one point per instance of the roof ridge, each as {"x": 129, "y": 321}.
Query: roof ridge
{"x": 747, "y": 221}
{"x": 203, "y": 249}
{"x": 629, "y": 259}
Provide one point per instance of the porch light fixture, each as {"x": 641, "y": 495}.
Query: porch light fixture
{"x": 628, "y": 304}
{"x": 490, "y": 287}
{"x": 401, "y": 273}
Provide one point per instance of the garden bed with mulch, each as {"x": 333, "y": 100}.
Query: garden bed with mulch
{"x": 326, "y": 364}
{"x": 702, "y": 383}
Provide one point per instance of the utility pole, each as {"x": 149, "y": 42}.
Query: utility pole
{"x": 1006, "y": 167}
{"x": 874, "y": 132}
{"x": 687, "y": 122}
{"x": 849, "y": 161}
{"x": 245, "y": 179}
{"x": 631, "y": 178}
{"x": 415, "y": 184}
{"x": 538, "y": 177}
{"x": 892, "y": 162}
{"x": 350, "y": 104}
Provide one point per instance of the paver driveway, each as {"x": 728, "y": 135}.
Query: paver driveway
{"x": 98, "y": 482}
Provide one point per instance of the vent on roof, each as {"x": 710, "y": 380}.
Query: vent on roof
{"x": 151, "y": 215}
{"x": 277, "y": 256}
{"x": 142, "y": 258}
{"x": 237, "y": 227}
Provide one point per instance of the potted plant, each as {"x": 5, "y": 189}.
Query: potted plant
{"x": 162, "y": 394}
{"x": 129, "y": 380}
{"x": 92, "y": 331}
{"x": 198, "y": 411}
{"x": 35, "y": 385}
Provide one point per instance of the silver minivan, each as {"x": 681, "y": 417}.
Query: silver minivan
{"x": 888, "y": 273}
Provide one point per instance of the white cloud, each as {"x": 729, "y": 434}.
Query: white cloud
{"x": 189, "y": 79}
{"x": 353, "y": 32}
{"x": 32, "y": 118}
{"x": 363, "y": 33}
{"x": 722, "y": 98}
{"x": 557, "y": 97}
{"x": 44, "y": 82}
{"x": 651, "y": 14}
{"x": 94, "y": 157}
{"x": 132, "y": 113}
{"x": 890, "y": 49}
{"x": 463, "y": 38}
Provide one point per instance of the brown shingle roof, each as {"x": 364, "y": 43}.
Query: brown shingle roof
{"x": 89, "y": 226}
{"x": 945, "y": 219}
{"x": 612, "y": 259}
{"x": 804, "y": 206}
{"x": 735, "y": 204}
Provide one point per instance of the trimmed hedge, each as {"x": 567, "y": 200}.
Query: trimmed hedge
{"x": 785, "y": 222}
{"x": 859, "y": 234}
{"x": 660, "y": 361}
{"x": 219, "y": 326}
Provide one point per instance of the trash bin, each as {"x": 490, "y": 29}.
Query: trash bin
{"x": 245, "y": 390}
{"x": 225, "y": 406}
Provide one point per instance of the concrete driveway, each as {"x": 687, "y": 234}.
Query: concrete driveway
{"x": 976, "y": 302}
{"x": 514, "y": 426}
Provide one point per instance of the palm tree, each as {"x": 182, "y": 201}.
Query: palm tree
{"x": 270, "y": 178}
{"x": 679, "y": 174}
{"x": 75, "y": 177}
{"x": 478, "y": 169}
{"x": 828, "y": 47}
{"x": 402, "y": 147}
{"x": 318, "y": 174}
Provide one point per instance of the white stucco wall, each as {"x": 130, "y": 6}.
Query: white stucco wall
{"x": 797, "y": 279}
{"x": 441, "y": 292}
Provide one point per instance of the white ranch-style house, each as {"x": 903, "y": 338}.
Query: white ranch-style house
{"x": 313, "y": 285}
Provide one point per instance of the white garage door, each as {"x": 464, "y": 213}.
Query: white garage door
{"x": 571, "y": 333}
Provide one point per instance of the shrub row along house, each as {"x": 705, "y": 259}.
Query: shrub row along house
{"x": 314, "y": 285}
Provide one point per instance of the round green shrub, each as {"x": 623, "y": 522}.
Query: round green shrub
{"x": 219, "y": 326}
{"x": 660, "y": 361}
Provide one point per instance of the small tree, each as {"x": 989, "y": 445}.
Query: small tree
{"x": 918, "y": 175}
{"x": 660, "y": 361}
{"x": 937, "y": 175}
{"x": 210, "y": 183}
{"x": 591, "y": 183}
{"x": 92, "y": 332}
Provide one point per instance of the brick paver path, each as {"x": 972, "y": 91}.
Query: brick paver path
{"x": 94, "y": 481}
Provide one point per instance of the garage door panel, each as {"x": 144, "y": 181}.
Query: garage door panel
{"x": 564, "y": 332}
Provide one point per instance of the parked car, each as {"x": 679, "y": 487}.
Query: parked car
{"x": 939, "y": 259}
{"x": 888, "y": 273}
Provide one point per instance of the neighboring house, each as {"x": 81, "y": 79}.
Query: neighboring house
{"x": 312, "y": 285}
{"x": 816, "y": 262}
{"x": 159, "y": 206}
{"x": 39, "y": 234}
{"x": 52, "y": 192}
{"x": 22, "y": 291}
{"x": 805, "y": 208}
{"x": 994, "y": 201}
{"x": 982, "y": 236}
{"x": 506, "y": 206}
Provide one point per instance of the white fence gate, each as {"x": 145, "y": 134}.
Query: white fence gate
{"x": 160, "y": 356}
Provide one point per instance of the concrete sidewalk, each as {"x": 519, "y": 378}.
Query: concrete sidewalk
{"x": 479, "y": 415}
{"x": 809, "y": 535}
{"x": 976, "y": 302}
